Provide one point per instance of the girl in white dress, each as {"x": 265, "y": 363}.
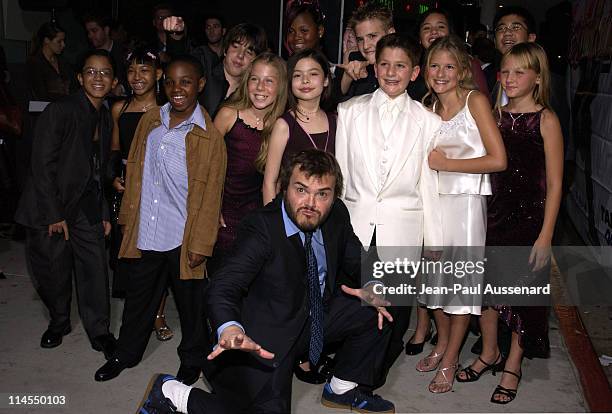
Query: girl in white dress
{"x": 469, "y": 145}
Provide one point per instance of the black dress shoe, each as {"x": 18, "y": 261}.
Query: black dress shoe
{"x": 415, "y": 349}
{"x": 188, "y": 375}
{"x": 105, "y": 343}
{"x": 52, "y": 339}
{"x": 111, "y": 369}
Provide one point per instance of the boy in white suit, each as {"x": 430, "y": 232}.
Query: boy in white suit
{"x": 382, "y": 143}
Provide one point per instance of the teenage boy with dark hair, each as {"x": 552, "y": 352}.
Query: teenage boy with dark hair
{"x": 240, "y": 46}
{"x": 514, "y": 25}
{"x": 64, "y": 207}
{"x": 170, "y": 216}
{"x": 160, "y": 12}
{"x": 383, "y": 140}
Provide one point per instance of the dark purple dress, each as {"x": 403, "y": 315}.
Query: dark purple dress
{"x": 242, "y": 190}
{"x": 299, "y": 140}
{"x": 516, "y": 214}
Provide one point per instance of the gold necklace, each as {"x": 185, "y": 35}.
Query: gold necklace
{"x": 146, "y": 107}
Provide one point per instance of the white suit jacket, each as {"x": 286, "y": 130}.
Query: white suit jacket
{"x": 405, "y": 211}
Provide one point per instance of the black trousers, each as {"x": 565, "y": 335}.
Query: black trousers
{"x": 244, "y": 386}
{"x": 52, "y": 260}
{"x": 399, "y": 326}
{"x": 148, "y": 278}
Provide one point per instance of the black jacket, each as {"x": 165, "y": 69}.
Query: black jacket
{"x": 263, "y": 284}
{"x": 61, "y": 160}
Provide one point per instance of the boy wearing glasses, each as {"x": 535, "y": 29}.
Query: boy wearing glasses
{"x": 514, "y": 25}
{"x": 63, "y": 206}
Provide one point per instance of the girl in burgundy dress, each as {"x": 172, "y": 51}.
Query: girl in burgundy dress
{"x": 246, "y": 120}
{"x": 305, "y": 125}
{"x": 523, "y": 209}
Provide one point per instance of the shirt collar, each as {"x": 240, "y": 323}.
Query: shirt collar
{"x": 196, "y": 117}
{"x": 380, "y": 98}
{"x": 291, "y": 228}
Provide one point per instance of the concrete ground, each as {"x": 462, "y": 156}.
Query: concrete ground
{"x": 548, "y": 385}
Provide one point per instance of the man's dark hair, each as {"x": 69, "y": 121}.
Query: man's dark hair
{"x": 97, "y": 52}
{"x": 215, "y": 16}
{"x": 519, "y": 11}
{"x": 400, "y": 41}
{"x": 252, "y": 34}
{"x": 162, "y": 6}
{"x": 313, "y": 162}
{"x": 189, "y": 60}
{"x": 102, "y": 21}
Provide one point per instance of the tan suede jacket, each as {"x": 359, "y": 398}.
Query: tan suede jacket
{"x": 206, "y": 163}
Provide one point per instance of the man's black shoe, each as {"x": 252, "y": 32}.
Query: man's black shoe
{"x": 52, "y": 339}
{"x": 154, "y": 401}
{"x": 188, "y": 375}
{"x": 111, "y": 369}
{"x": 105, "y": 343}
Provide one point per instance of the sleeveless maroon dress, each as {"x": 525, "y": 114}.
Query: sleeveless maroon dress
{"x": 515, "y": 216}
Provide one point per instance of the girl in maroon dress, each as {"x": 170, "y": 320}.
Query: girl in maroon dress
{"x": 523, "y": 209}
{"x": 305, "y": 125}
{"x": 246, "y": 120}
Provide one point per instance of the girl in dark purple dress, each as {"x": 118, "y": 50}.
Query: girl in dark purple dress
{"x": 305, "y": 125}
{"x": 246, "y": 120}
{"x": 523, "y": 209}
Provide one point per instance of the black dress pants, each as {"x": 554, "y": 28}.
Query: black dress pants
{"x": 52, "y": 260}
{"x": 148, "y": 278}
{"x": 399, "y": 326}
{"x": 245, "y": 386}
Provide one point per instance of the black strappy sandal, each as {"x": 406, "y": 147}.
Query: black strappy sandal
{"x": 472, "y": 375}
{"x": 506, "y": 392}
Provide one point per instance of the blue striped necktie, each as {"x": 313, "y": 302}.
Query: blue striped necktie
{"x": 316, "y": 302}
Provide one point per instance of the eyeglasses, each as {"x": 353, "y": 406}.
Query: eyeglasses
{"x": 93, "y": 72}
{"x": 514, "y": 27}
{"x": 162, "y": 18}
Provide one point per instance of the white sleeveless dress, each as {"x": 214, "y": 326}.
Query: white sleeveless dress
{"x": 463, "y": 200}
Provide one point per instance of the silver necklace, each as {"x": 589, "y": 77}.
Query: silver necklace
{"x": 514, "y": 119}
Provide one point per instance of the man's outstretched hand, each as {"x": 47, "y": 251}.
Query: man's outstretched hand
{"x": 368, "y": 296}
{"x": 233, "y": 337}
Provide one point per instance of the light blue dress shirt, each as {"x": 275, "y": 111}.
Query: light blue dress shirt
{"x": 163, "y": 199}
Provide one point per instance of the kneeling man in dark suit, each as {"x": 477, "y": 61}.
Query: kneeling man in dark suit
{"x": 280, "y": 295}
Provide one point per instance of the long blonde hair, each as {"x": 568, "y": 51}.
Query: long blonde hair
{"x": 532, "y": 56}
{"x": 240, "y": 100}
{"x": 453, "y": 45}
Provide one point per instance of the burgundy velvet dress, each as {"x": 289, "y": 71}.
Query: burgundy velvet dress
{"x": 515, "y": 216}
{"x": 242, "y": 190}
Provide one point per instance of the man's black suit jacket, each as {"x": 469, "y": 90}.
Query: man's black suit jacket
{"x": 61, "y": 160}
{"x": 263, "y": 284}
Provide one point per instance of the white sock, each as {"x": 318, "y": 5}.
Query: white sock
{"x": 339, "y": 386}
{"x": 178, "y": 393}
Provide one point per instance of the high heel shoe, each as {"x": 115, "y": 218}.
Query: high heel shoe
{"x": 445, "y": 382}
{"x": 163, "y": 333}
{"x": 472, "y": 375}
{"x": 506, "y": 392}
{"x": 430, "y": 362}
{"x": 415, "y": 349}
